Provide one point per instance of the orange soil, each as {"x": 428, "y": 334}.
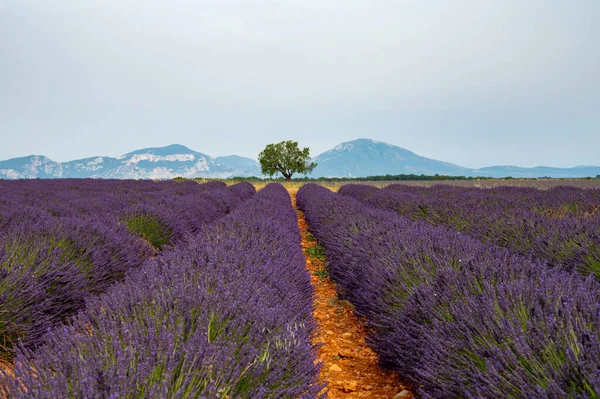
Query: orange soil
{"x": 350, "y": 366}
{"x": 6, "y": 369}
{"x": 6, "y": 366}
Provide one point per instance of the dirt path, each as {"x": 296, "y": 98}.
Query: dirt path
{"x": 350, "y": 366}
{"x": 6, "y": 370}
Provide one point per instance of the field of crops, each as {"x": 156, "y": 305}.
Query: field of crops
{"x": 176, "y": 290}
{"x": 140, "y": 289}
{"x": 560, "y": 225}
{"x": 471, "y": 293}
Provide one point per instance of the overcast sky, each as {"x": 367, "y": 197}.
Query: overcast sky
{"x": 473, "y": 82}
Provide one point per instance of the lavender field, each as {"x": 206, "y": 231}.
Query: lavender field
{"x": 471, "y": 293}
{"x": 560, "y": 225}
{"x": 128, "y": 289}
{"x": 140, "y": 289}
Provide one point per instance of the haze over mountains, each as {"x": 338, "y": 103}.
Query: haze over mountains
{"x": 357, "y": 158}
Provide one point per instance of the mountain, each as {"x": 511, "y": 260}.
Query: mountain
{"x": 148, "y": 163}
{"x": 365, "y": 157}
{"x": 358, "y": 158}
{"x": 539, "y": 171}
{"x": 90, "y": 167}
{"x": 241, "y": 166}
{"x": 168, "y": 162}
{"x": 30, "y": 167}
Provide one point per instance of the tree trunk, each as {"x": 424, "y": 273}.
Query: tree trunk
{"x": 288, "y": 178}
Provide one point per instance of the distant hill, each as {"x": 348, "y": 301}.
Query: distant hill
{"x": 365, "y": 157}
{"x": 241, "y": 165}
{"x": 148, "y": 163}
{"x": 539, "y": 171}
{"x": 358, "y": 158}
{"x": 30, "y": 167}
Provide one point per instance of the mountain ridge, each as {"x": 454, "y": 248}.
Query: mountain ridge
{"x": 366, "y": 157}
{"x": 357, "y": 158}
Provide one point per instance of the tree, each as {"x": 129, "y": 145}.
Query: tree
{"x": 285, "y": 158}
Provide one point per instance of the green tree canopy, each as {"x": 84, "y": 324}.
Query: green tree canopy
{"x": 286, "y": 158}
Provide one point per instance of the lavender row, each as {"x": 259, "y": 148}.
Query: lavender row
{"x": 459, "y": 318}
{"x": 561, "y": 225}
{"x": 162, "y": 212}
{"x": 555, "y": 202}
{"x": 226, "y": 313}
{"x": 57, "y": 248}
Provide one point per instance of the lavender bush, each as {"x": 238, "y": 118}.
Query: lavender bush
{"x": 226, "y": 313}
{"x": 48, "y": 267}
{"x": 560, "y": 225}
{"x": 533, "y": 337}
{"x": 460, "y": 318}
{"x": 62, "y": 241}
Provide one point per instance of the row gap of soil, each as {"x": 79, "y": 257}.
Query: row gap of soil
{"x": 350, "y": 367}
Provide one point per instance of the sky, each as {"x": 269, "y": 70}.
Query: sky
{"x": 472, "y": 82}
